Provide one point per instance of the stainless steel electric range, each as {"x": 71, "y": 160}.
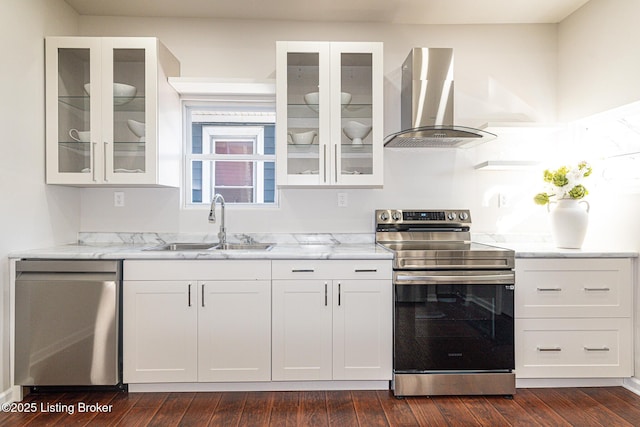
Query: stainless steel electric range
{"x": 453, "y": 305}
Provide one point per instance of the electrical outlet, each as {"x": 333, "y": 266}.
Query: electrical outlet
{"x": 503, "y": 200}
{"x": 118, "y": 199}
{"x": 343, "y": 200}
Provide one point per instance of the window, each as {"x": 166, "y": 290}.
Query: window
{"x": 230, "y": 151}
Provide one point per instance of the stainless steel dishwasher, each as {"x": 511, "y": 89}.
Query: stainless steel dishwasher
{"x": 67, "y": 323}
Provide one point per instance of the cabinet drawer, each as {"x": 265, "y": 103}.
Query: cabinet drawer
{"x": 197, "y": 270}
{"x": 331, "y": 269}
{"x": 573, "y": 288}
{"x": 573, "y": 348}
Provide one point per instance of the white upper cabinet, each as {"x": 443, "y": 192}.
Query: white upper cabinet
{"x": 112, "y": 117}
{"x": 329, "y": 114}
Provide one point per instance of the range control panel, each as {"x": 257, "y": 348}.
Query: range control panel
{"x": 408, "y": 217}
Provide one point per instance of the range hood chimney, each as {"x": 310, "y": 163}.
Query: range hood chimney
{"x": 426, "y": 107}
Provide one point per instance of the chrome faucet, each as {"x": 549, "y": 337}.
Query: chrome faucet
{"x": 222, "y": 234}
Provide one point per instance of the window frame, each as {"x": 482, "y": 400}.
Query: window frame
{"x": 260, "y": 107}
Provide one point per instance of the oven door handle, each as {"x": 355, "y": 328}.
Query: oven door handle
{"x": 427, "y": 279}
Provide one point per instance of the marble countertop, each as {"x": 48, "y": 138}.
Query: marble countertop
{"x": 541, "y": 246}
{"x": 285, "y": 246}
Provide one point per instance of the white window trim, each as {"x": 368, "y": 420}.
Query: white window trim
{"x": 264, "y": 103}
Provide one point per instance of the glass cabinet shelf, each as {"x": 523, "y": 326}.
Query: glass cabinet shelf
{"x": 297, "y": 151}
{"x": 121, "y": 104}
{"x": 351, "y": 111}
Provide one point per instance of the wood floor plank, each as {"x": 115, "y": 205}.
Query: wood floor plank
{"x": 397, "y": 411}
{"x": 455, "y": 411}
{"x": 577, "y": 407}
{"x": 286, "y": 405}
{"x": 151, "y": 400}
{"x": 121, "y": 405}
{"x": 426, "y": 411}
{"x": 618, "y": 400}
{"x": 172, "y": 410}
{"x": 341, "y": 411}
{"x": 137, "y": 416}
{"x": 313, "y": 409}
{"x": 229, "y": 409}
{"x": 43, "y": 415}
{"x": 540, "y": 409}
{"x": 200, "y": 410}
{"x": 257, "y": 409}
{"x": 88, "y": 407}
{"x": 515, "y": 414}
{"x": 484, "y": 411}
{"x": 368, "y": 409}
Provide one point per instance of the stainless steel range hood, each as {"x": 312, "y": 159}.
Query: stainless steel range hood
{"x": 426, "y": 108}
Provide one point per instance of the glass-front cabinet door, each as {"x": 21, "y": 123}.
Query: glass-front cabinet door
{"x": 73, "y": 116}
{"x": 329, "y": 114}
{"x": 128, "y": 63}
{"x": 102, "y": 103}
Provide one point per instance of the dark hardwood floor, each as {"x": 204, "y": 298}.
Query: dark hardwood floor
{"x": 608, "y": 406}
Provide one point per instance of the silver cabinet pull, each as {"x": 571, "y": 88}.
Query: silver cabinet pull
{"x": 92, "y": 154}
{"x": 302, "y": 270}
{"x": 366, "y": 270}
{"x": 325, "y": 163}
{"x": 202, "y": 302}
{"x": 339, "y": 293}
{"x": 189, "y": 296}
{"x": 597, "y": 349}
{"x": 549, "y": 289}
{"x": 597, "y": 289}
{"x": 104, "y": 161}
{"x": 549, "y": 349}
{"x": 325, "y": 294}
{"x": 336, "y": 160}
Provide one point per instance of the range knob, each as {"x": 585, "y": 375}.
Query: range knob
{"x": 451, "y": 216}
{"x": 384, "y": 216}
{"x": 464, "y": 216}
{"x": 396, "y": 216}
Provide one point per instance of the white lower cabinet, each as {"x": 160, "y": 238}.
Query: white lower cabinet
{"x": 214, "y": 327}
{"x": 332, "y": 320}
{"x": 573, "y": 318}
{"x": 160, "y": 332}
{"x": 234, "y": 333}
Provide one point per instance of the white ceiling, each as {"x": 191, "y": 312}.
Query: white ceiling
{"x": 384, "y": 11}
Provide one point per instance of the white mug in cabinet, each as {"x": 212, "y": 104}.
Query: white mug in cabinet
{"x": 80, "y": 136}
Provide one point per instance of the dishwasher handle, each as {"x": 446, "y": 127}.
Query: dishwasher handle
{"x": 69, "y": 266}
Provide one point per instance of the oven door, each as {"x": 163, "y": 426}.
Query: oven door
{"x": 453, "y": 321}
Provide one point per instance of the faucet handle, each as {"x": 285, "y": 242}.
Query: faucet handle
{"x": 247, "y": 239}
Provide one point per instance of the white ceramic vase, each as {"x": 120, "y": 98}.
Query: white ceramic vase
{"x": 569, "y": 221}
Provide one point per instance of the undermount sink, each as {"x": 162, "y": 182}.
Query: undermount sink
{"x": 243, "y": 247}
{"x": 183, "y": 247}
{"x": 177, "y": 247}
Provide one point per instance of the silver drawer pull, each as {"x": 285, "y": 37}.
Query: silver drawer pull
{"x": 597, "y": 349}
{"x": 549, "y": 349}
{"x": 549, "y": 289}
{"x": 597, "y": 289}
{"x": 303, "y": 270}
{"x": 364, "y": 270}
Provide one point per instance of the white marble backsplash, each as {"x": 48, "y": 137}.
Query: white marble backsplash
{"x": 133, "y": 238}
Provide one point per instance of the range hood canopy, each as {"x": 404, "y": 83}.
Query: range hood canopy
{"x": 426, "y": 107}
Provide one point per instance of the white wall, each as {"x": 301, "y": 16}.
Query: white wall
{"x": 599, "y": 65}
{"x": 31, "y": 213}
{"x": 502, "y": 72}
